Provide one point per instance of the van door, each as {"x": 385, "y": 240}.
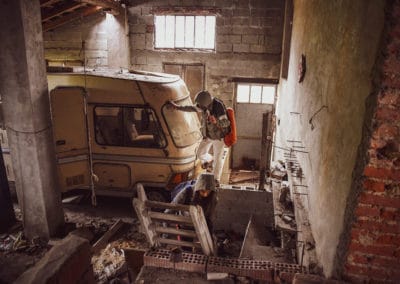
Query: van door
{"x": 68, "y": 107}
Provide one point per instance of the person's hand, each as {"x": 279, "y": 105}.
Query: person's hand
{"x": 212, "y": 119}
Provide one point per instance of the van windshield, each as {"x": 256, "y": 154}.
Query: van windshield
{"x": 183, "y": 126}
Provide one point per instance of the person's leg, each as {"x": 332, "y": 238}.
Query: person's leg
{"x": 203, "y": 151}
{"x": 218, "y": 149}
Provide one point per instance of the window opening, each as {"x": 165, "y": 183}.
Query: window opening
{"x": 255, "y": 93}
{"x": 128, "y": 127}
{"x": 177, "y": 31}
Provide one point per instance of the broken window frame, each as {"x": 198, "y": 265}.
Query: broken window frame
{"x": 160, "y": 31}
{"x": 152, "y": 137}
{"x": 251, "y": 96}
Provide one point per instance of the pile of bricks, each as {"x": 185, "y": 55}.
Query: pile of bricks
{"x": 255, "y": 269}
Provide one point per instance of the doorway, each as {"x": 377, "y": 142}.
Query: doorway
{"x": 251, "y": 101}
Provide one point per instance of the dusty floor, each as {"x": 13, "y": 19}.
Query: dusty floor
{"x": 17, "y": 255}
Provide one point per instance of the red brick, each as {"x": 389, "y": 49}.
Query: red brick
{"x": 363, "y": 210}
{"x": 382, "y": 250}
{"x": 387, "y": 130}
{"x": 388, "y": 262}
{"x": 372, "y": 273}
{"x": 357, "y": 258}
{"x": 390, "y": 214}
{"x": 391, "y": 80}
{"x": 368, "y": 198}
{"x": 382, "y": 173}
{"x": 388, "y": 240}
{"x": 374, "y": 185}
{"x": 378, "y": 226}
{"x": 389, "y": 114}
{"x": 389, "y": 97}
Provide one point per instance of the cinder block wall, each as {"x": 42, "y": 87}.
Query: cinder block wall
{"x": 98, "y": 41}
{"x": 373, "y": 247}
{"x": 248, "y": 40}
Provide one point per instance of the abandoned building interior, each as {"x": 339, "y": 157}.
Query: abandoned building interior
{"x": 94, "y": 144}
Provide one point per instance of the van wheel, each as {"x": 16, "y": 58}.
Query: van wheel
{"x": 160, "y": 195}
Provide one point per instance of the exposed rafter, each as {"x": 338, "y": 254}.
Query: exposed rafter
{"x": 71, "y": 17}
{"x": 59, "y": 10}
{"x": 111, "y": 5}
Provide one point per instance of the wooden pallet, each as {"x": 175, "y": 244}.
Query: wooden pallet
{"x": 191, "y": 226}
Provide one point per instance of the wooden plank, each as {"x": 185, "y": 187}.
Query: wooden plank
{"x": 78, "y": 14}
{"x": 47, "y": 3}
{"x": 173, "y": 231}
{"x": 102, "y": 242}
{"x": 170, "y": 217}
{"x": 114, "y": 7}
{"x": 178, "y": 243}
{"x": 200, "y": 224}
{"x": 163, "y": 205}
{"x": 141, "y": 213}
{"x": 140, "y": 192}
{"x": 59, "y": 10}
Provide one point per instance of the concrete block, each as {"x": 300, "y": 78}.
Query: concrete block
{"x": 96, "y": 45}
{"x": 140, "y": 60}
{"x": 250, "y": 39}
{"x": 137, "y": 28}
{"x": 241, "y": 48}
{"x": 241, "y": 12}
{"x": 134, "y": 10}
{"x": 145, "y": 11}
{"x": 138, "y": 41}
{"x": 255, "y": 48}
{"x": 96, "y": 53}
{"x": 235, "y": 39}
{"x": 62, "y": 44}
{"x": 240, "y": 21}
{"x": 224, "y": 47}
{"x": 67, "y": 262}
{"x": 222, "y": 39}
{"x": 149, "y": 41}
{"x": 225, "y": 30}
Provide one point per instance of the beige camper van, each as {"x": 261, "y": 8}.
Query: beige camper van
{"x": 113, "y": 130}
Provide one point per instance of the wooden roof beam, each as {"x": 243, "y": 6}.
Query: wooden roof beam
{"x": 47, "y": 3}
{"x": 108, "y": 5}
{"x": 69, "y": 7}
{"x": 71, "y": 17}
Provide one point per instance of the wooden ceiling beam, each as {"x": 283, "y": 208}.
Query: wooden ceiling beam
{"x": 59, "y": 10}
{"x": 114, "y": 7}
{"x": 71, "y": 17}
{"x": 47, "y": 3}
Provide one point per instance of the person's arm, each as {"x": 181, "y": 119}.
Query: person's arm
{"x": 183, "y": 108}
{"x": 219, "y": 115}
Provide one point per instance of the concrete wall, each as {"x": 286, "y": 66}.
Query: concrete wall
{"x": 340, "y": 40}
{"x": 102, "y": 39}
{"x": 248, "y": 40}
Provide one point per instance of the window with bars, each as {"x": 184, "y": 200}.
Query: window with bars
{"x": 172, "y": 31}
{"x": 255, "y": 93}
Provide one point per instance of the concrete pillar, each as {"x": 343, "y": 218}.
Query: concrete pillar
{"x": 7, "y": 216}
{"x": 26, "y": 108}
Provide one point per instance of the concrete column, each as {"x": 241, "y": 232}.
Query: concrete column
{"x": 26, "y": 108}
{"x": 7, "y": 216}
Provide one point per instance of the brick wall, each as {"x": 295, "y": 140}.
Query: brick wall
{"x": 248, "y": 40}
{"x": 374, "y": 245}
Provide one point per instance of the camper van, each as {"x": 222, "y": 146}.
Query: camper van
{"x": 115, "y": 129}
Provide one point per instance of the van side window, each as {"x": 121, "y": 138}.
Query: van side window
{"x": 128, "y": 127}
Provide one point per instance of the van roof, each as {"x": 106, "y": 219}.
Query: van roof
{"x": 135, "y": 75}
